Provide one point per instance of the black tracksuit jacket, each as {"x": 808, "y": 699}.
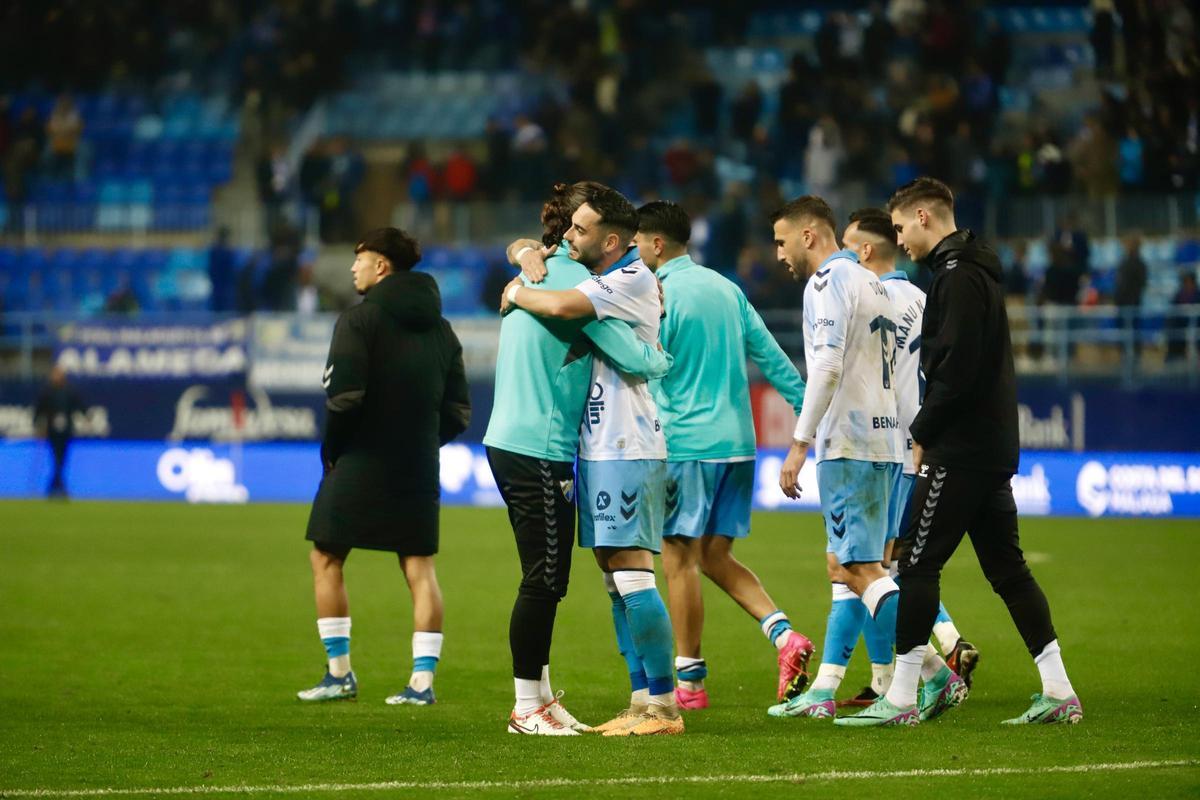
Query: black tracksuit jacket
{"x": 968, "y": 417}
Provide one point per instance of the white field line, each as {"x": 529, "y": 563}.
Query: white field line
{"x": 552, "y": 783}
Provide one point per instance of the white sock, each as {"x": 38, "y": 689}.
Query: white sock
{"x": 629, "y": 581}
{"x": 932, "y": 665}
{"x": 947, "y": 636}
{"x": 641, "y": 697}
{"x": 1055, "y": 682}
{"x": 335, "y": 627}
{"x": 425, "y": 644}
{"x": 903, "y": 691}
{"x": 876, "y": 591}
{"x": 544, "y": 690}
{"x": 529, "y": 696}
{"x": 881, "y": 678}
{"x": 662, "y": 700}
{"x": 829, "y": 677}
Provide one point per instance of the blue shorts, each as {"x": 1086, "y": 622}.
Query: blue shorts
{"x": 621, "y": 504}
{"x": 706, "y": 498}
{"x": 856, "y": 504}
{"x": 901, "y": 497}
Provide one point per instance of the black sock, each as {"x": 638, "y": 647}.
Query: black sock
{"x": 530, "y": 631}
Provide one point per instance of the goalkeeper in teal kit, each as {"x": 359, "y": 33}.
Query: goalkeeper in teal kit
{"x": 704, "y": 402}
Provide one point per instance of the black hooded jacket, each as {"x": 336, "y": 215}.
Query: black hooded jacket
{"x": 968, "y": 416}
{"x": 396, "y": 391}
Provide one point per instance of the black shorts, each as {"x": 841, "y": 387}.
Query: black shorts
{"x": 540, "y": 496}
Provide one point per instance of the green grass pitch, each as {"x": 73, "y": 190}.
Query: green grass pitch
{"x": 148, "y": 646}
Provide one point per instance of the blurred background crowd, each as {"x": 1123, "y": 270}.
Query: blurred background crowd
{"x": 221, "y": 154}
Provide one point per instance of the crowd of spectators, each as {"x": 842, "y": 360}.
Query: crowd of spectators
{"x": 622, "y": 92}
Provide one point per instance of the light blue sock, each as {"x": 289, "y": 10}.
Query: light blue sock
{"x": 882, "y": 599}
{"x": 637, "y": 673}
{"x": 879, "y": 644}
{"x": 336, "y": 646}
{"x": 943, "y": 615}
{"x": 846, "y": 617}
{"x": 649, "y": 627}
{"x": 691, "y": 669}
{"x": 774, "y": 625}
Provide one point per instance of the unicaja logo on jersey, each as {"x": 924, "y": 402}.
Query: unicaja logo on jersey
{"x": 603, "y": 500}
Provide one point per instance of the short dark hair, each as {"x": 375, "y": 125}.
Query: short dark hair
{"x": 805, "y": 208}
{"x": 923, "y": 189}
{"x": 666, "y": 218}
{"x": 876, "y": 222}
{"x": 614, "y": 209}
{"x": 395, "y": 245}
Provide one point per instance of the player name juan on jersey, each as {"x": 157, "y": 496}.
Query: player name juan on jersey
{"x": 620, "y": 421}
{"x": 847, "y": 312}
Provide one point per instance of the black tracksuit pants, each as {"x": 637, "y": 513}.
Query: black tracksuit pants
{"x": 946, "y": 503}
{"x": 541, "y": 508}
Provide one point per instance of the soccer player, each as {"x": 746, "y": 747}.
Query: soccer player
{"x": 965, "y": 449}
{"x": 871, "y": 237}
{"x": 622, "y": 454}
{"x": 710, "y": 329}
{"x": 850, "y": 415}
{"x": 543, "y": 380}
{"x": 396, "y": 392}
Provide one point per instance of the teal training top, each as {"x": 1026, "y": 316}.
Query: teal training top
{"x": 710, "y": 328}
{"x": 544, "y": 371}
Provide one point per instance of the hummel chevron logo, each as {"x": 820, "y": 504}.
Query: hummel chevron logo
{"x": 327, "y": 376}
{"x": 628, "y": 513}
{"x": 629, "y": 270}
{"x": 821, "y": 273}
{"x": 839, "y": 531}
{"x": 628, "y": 499}
{"x": 820, "y": 287}
{"x": 837, "y": 518}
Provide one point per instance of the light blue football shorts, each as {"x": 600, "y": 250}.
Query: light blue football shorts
{"x": 621, "y": 504}
{"x": 856, "y": 504}
{"x": 706, "y": 498}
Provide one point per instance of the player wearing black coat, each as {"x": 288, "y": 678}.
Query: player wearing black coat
{"x": 968, "y": 417}
{"x": 396, "y": 391}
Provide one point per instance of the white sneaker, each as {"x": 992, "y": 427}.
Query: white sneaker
{"x": 564, "y": 717}
{"x": 538, "y": 722}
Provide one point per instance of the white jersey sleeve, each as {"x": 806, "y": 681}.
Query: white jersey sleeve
{"x": 626, "y": 293}
{"x": 828, "y": 310}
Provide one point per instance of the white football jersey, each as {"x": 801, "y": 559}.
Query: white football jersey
{"x": 620, "y": 421}
{"x": 846, "y": 307}
{"x": 908, "y": 309}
